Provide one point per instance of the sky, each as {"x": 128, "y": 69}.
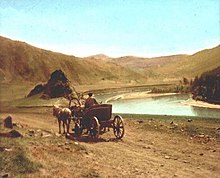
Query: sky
{"x": 146, "y": 28}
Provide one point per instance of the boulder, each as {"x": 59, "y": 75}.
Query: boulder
{"x": 11, "y": 134}
{"x": 15, "y": 134}
{"x": 5, "y": 175}
{"x": 8, "y": 122}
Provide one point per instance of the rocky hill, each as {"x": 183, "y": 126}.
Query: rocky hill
{"x": 57, "y": 86}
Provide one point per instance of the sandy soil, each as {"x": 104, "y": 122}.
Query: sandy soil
{"x": 137, "y": 95}
{"x": 203, "y": 104}
{"x": 152, "y": 152}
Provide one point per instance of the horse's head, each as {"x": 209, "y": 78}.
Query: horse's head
{"x": 55, "y": 110}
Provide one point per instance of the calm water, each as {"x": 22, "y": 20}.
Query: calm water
{"x": 163, "y": 105}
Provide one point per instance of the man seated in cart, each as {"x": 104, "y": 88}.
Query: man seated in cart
{"x": 90, "y": 101}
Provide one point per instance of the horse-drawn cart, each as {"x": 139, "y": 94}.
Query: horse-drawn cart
{"x": 97, "y": 119}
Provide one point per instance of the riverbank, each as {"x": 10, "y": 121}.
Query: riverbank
{"x": 192, "y": 102}
{"x": 138, "y": 95}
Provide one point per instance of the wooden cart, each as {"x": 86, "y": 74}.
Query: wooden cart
{"x": 97, "y": 119}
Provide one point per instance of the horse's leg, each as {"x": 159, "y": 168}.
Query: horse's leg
{"x": 59, "y": 123}
{"x": 64, "y": 123}
{"x": 68, "y": 124}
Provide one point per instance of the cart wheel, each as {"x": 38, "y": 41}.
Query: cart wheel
{"x": 95, "y": 126}
{"x": 118, "y": 127}
{"x": 77, "y": 129}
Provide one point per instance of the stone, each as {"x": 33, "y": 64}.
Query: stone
{"x": 59, "y": 144}
{"x": 140, "y": 121}
{"x": 18, "y": 125}
{"x": 46, "y": 135}
{"x": 15, "y": 134}
{"x": 57, "y": 134}
{"x": 31, "y": 132}
{"x": 147, "y": 147}
{"x": 201, "y": 136}
{"x": 167, "y": 157}
{"x": 8, "y": 122}
{"x": 5, "y": 175}
{"x": 8, "y": 149}
{"x": 11, "y": 134}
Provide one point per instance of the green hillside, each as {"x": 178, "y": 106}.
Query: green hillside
{"x": 192, "y": 65}
{"x": 20, "y": 61}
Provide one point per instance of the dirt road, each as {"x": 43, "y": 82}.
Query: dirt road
{"x": 143, "y": 152}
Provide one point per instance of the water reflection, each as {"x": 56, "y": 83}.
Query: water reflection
{"x": 163, "y": 105}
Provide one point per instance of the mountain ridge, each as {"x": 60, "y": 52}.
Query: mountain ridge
{"x": 23, "y": 62}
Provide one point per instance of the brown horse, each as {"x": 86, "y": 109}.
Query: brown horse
{"x": 63, "y": 115}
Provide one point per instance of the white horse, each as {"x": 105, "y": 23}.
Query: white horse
{"x": 63, "y": 115}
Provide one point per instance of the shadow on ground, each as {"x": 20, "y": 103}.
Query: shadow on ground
{"x": 89, "y": 139}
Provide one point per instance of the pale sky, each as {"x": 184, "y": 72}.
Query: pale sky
{"x": 116, "y": 28}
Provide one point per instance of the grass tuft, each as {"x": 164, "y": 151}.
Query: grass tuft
{"x": 14, "y": 160}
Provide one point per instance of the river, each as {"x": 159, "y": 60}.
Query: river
{"x": 162, "y": 105}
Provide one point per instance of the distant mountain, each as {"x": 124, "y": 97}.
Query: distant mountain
{"x": 20, "y": 61}
{"x": 169, "y": 68}
{"x": 141, "y": 64}
{"x": 99, "y": 56}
